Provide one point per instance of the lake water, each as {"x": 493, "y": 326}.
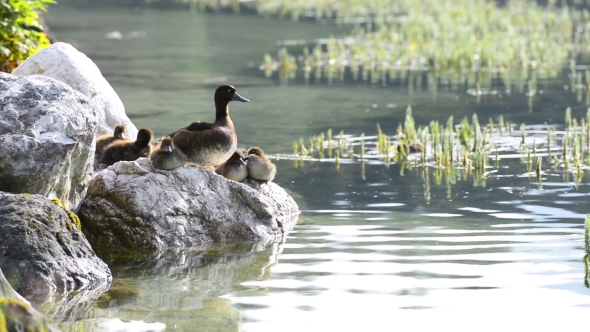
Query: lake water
{"x": 379, "y": 253}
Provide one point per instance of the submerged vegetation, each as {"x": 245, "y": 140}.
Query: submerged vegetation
{"x": 458, "y": 151}
{"x": 452, "y": 41}
{"x": 421, "y": 35}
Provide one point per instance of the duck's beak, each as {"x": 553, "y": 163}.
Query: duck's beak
{"x": 168, "y": 148}
{"x": 243, "y": 161}
{"x": 237, "y": 97}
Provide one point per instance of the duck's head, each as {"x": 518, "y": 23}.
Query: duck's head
{"x": 119, "y": 132}
{"x": 144, "y": 137}
{"x": 237, "y": 158}
{"x": 256, "y": 151}
{"x": 166, "y": 144}
{"x": 227, "y": 93}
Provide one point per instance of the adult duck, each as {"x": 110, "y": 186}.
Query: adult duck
{"x": 211, "y": 144}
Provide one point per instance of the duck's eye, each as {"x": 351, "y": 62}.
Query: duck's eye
{"x": 228, "y": 90}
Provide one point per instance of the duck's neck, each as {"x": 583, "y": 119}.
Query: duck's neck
{"x": 221, "y": 110}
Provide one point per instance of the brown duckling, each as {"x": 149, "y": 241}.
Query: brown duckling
{"x": 234, "y": 168}
{"x": 259, "y": 167}
{"x": 410, "y": 148}
{"x": 128, "y": 150}
{"x": 211, "y": 144}
{"x": 166, "y": 156}
{"x": 103, "y": 141}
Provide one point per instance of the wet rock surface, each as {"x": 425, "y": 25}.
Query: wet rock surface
{"x": 43, "y": 250}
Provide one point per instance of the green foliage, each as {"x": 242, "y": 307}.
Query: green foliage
{"x": 21, "y": 31}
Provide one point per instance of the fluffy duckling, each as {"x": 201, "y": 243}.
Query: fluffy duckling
{"x": 211, "y": 144}
{"x": 259, "y": 167}
{"x": 128, "y": 150}
{"x": 234, "y": 168}
{"x": 410, "y": 148}
{"x": 166, "y": 156}
{"x": 103, "y": 141}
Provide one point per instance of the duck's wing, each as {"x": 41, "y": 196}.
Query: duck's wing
{"x": 195, "y": 126}
{"x": 199, "y": 126}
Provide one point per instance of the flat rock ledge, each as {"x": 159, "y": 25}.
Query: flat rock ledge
{"x": 43, "y": 250}
{"x": 135, "y": 206}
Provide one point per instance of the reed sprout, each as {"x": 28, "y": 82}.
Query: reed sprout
{"x": 456, "y": 150}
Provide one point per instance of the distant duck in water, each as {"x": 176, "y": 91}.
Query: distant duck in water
{"x": 410, "y": 148}
{"x": 234, "y": 168}
{"x": 166, "y": 156}
{"x": 103, "y": 141}
{"x": 211, "y": 144}
{"x": 259, "y": 167}
{"x": 127, "y": 150}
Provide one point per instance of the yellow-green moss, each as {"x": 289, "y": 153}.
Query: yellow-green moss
{"x": 3, "y": 327}
{"x": 26, "y": 194}
{"x": 16, "y": 315}
{"x": 13, "y": 302}
{"x": 73, "y": 217}
{"x": 58, "y": 202}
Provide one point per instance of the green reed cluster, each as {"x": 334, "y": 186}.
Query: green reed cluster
{"x": 457, "y": 36}
{"x": 459, "y": 151}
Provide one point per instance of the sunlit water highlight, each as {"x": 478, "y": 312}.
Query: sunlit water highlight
{"x": 372, "y": 254}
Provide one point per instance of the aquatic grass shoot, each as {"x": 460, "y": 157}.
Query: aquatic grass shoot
{"x": 458, "y": 150}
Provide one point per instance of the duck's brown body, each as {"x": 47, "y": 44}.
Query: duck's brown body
{"x": 259, "y": 167}
{"x": 234, "y": 168}
{"x": 105, "y": 140}
{"x": 166, "y": 156}
{"x": 207, "y": 144}
{"x": 211, "y": 144}
{"x": 127, "y": 150}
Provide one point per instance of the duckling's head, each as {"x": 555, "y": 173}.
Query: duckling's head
{"x": 237, "y": 158}
{"x": 166, "y": 144}
{"x": 227, "y": 93}
{"x": 256, "y": 151}
{"x": 119, "y": 132}
{"x": 144, "y": 137}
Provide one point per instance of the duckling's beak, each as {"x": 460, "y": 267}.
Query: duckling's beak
{"x": 243, "y": 160}
{"x": 168, "y": 148}
{"x": 237, "y": 97}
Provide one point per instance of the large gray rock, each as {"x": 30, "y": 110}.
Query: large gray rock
{"x": 47, "y": 138}
{"x": 43, "y": 250}
{"x": 65, "y": 63}
{"x": 132, "y": 205}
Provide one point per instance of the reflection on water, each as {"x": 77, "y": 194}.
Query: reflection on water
{"x": 175, "y": 288}
{"x": 370, "y": 252}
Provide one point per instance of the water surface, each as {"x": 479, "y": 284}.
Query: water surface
{"x": 378, "y": 253}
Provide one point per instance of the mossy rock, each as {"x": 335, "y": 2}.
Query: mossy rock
{"x": 18, "y": 315}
